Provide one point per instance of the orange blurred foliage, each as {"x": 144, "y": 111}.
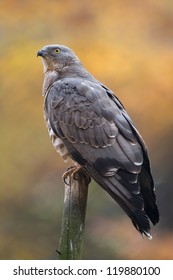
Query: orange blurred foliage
{"x": 128, "y": 46}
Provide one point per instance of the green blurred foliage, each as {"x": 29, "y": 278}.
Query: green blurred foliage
{"x": 128, "y": 46}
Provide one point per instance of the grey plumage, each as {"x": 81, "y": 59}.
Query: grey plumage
{"x": 87, "y": 122}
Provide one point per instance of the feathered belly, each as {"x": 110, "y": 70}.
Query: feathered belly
{"x": 56, "y": 141}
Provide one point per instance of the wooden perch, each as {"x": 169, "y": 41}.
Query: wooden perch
{"x": 73, "y": 221}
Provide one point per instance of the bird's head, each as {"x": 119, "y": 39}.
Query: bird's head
{"x": 56, "y": 57}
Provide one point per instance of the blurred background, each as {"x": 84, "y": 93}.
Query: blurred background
{"x": 128, "y": 45}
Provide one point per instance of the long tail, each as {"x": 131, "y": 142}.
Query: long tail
{"x": 132, "y": 204}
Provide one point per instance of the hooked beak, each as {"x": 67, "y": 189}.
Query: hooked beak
{"x": 41, "y": 53}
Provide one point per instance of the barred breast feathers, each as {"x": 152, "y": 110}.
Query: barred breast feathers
{"x": 56, "y": 141}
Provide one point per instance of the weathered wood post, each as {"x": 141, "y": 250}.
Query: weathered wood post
{"x": 73, "y": 221}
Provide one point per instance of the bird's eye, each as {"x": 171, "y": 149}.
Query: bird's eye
{"x": 57, "y": 50}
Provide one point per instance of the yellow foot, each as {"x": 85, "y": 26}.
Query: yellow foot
{"x": 71, "y": 172}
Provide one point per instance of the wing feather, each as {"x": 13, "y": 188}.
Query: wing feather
{"x": 100, "y": 136}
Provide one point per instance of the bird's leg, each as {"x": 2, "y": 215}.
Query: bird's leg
{"x": 71, "y": 172}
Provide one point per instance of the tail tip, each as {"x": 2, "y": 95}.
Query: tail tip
{"x": 147, "y": 234}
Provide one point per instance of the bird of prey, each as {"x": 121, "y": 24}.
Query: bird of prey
{"x": 89, "y": 124}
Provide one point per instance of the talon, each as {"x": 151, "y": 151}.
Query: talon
{"x": 71, "y": 172}
{"x": 65, "y": 181}
{"x": 75, "y": 177}
{"x": 75, "y": 173}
